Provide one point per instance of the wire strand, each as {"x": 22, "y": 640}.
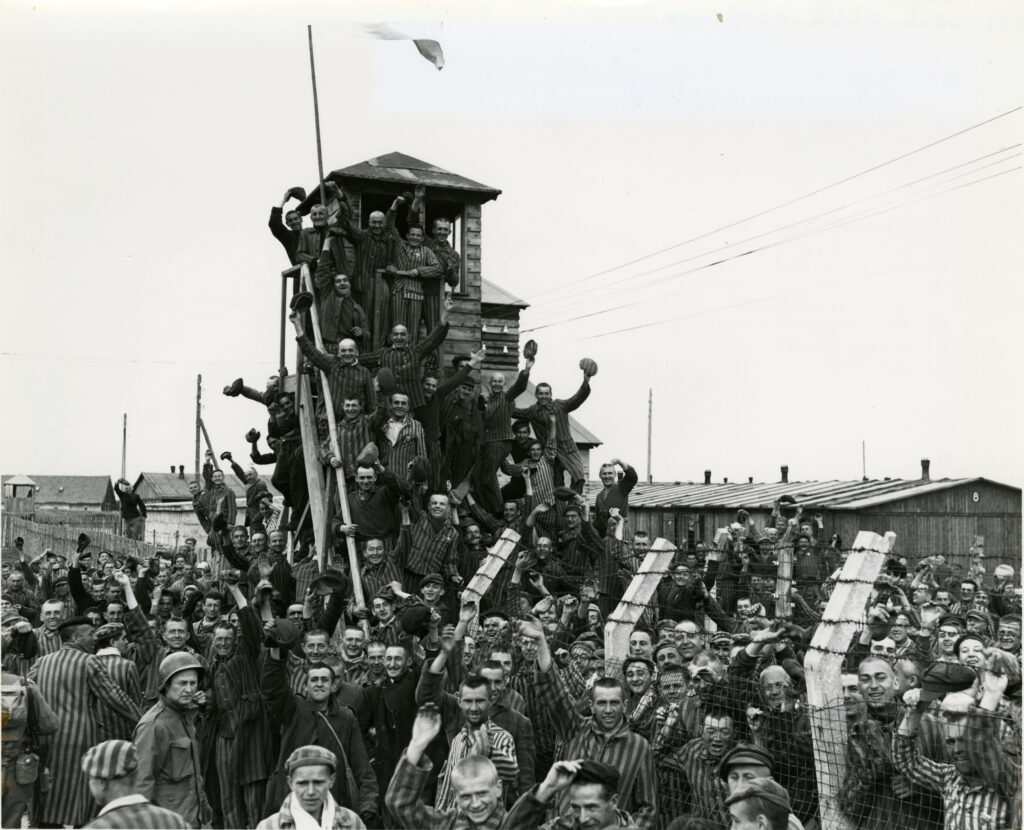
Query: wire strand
{"x": 792, "y": 201}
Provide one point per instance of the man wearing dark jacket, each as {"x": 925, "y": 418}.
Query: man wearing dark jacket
{"x": 133, "y": 510}
{"x": 288, "y": 231}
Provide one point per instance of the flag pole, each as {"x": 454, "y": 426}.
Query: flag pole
{"x": 316, "y": 117}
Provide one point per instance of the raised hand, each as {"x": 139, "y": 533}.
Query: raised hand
{"x": 467, "y": 612}
{"x": 426, "y": 726}
{"x": 559, "y": 777}
{"x": 530, "y": 627}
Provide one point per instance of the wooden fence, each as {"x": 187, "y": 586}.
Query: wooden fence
{"x": 63, "y": 539}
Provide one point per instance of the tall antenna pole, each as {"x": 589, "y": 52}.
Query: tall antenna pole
{"x": 864, "y": 459}
{"x": 124, "y": 442}
{"x": 199, "y": 417}
{"x": 650, "y": 418}
{"x": 316, "y": 117}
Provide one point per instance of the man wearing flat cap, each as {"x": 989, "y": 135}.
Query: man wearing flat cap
{"x": 761, "y": 804}
{"x": 592, "y": 803}
{"x": 110, "y": 639}
{"x": 75, "y": 684}
{"x": 110, "y": 767}
{"x": 741, "y": 765}
{"x": 312, "y": 771}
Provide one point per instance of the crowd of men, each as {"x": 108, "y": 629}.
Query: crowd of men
{"x": 249, "y": 688}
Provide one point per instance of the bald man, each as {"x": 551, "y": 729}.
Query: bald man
{"x": 346, "y": 377}
{"x": 498, "y": 437}
{"x": 405, "y": 361}
{"x": 374, "y": 251}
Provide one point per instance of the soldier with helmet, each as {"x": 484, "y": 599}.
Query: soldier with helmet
{"x": 170, "y": 770}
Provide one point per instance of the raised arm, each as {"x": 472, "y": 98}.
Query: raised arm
{"x": 577, "y": 400}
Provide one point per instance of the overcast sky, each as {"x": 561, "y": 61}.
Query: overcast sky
{"x": 142, "y": 152}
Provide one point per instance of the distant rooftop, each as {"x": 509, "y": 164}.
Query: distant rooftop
{"x": 832, "y": 495}
{"x": 66, "y": 490}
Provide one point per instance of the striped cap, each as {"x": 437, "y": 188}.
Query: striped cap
{"x": 110, "y": 759}
{"x": 306, "y": 756}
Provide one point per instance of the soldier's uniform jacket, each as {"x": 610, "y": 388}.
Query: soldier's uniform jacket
{"x": 169, "y": 772}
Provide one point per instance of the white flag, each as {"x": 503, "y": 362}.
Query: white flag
{"x": 430, "y": 49}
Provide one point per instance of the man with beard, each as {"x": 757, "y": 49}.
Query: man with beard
{"x": 604, "y": 736}
{"x": 318, "y": 717}
{"x": 170, "y": 771}
{"x": 694, "y": 769}
{"x": 540, "y": 416}
{"x": 593, "y": 799}
{"x": 236, "y": 739}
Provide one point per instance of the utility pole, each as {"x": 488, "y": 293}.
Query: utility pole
{"x": 124, "y": 442}
{"x": 199, "y": 418}
{"x": 650, "y": 418}
{"x": 864, "y": 459}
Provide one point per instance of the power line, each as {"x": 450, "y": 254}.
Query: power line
{"x": 776, "y": 244}
{"x": 789, "y": 202}
{"x": 700, "y": 313}
{"x": 633, "y": 277}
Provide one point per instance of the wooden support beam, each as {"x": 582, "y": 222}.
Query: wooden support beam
{"x": 634, "y": 602}
{"x": 496, "y": 557}
{"x": 823, "y": 665}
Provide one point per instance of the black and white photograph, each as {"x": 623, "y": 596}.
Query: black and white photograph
{"x": 550, "y": 415}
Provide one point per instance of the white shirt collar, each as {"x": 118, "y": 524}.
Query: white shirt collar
{"x": 108, "y": 650}
{"x": 124, "y": 801}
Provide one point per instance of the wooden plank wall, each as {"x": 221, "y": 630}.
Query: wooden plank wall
{"x": 464, "y": 322}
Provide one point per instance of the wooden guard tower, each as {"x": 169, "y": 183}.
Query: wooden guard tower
{"x": 373, "y": 185}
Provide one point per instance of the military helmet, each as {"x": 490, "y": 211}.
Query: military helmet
{"x": 175, "y": 663}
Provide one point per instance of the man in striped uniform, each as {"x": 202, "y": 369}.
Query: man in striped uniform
{"x": 540, "y": 416}
{"x": 431, "y": 546}
{"x": 498, "y": 437}
{"x": 405, "y": 361}
{"x": 693, "y": 769}
{"x": 123, "y": 672}
{"x": 345, "y": 376}
{"x": 593, "y": 790}
{"x": 237, "y": 740}
{"x": 73, "y": 681}
{"x": 414, "y": 269}
{"x": 110, "y": 768}
{"x": 604, "y": 737}
{"x": 401, "y": 438}
{"x": 47, "y": 635}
